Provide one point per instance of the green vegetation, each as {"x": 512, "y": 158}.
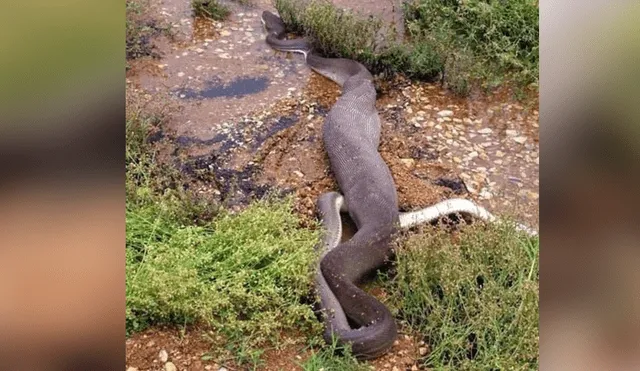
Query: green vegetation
{"x": 245, "y": 275}
{"x": 473, "y": 297}
{"x": 467, "y": 44}
{"x": 210, "y": 9}
{"x": 333, "y": 358}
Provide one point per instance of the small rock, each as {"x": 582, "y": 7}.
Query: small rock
{"x": 224, "y": 56}
{"x": 499, "y": 154}
{"x": 223, "y": 369}
{"x": 422, "y": 351}
{"x": 151, "y": 343}
{"x": 511, "y": 133}
{"x": 298, "y": 173}
{"x": 164, "y": 356}
{"x": 408, "y": 162}
{"x": 180, "y": 74}
{"x": 485, "y": 131}
{"x": 395, "y": 368}
{"x": 445, "y": 113}
{"x": 169, "y": 366}
{"x": 520, "y": 140}
{"x": 132, "y": 369}
{"x": 199, "y": 50}
{"x": 414, "y": 368}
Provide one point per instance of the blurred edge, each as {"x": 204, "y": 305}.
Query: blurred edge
{"x": 590, "y": 105}
{"x": 61, "y": 185}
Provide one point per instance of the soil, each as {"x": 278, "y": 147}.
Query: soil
{"x": 246, "y": 121}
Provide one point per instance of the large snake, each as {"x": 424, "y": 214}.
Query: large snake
{"x": 351, "y": 136}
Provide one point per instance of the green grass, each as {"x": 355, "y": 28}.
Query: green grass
{"x": 333, "y": 358}
{"x": 210, "y": 9}
{"x": 470, "y": 44}
{"x": 474, "y": 297}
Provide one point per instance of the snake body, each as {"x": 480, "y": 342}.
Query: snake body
{"x": 351, "y": 136}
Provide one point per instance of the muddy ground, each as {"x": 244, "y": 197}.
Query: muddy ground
{"x": 246, "y": 121}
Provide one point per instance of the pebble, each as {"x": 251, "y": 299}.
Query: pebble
{"x": 132, "y": 369}
{"x": 486, "y": 195}
{"x": 485, "y": 131}
{"x": 422, "y": 351}
{"x": 169, "y": 366}
{"x": 164, "y": 356}
{"x": 408, "y": 162}
{"x": 520, "y": 139}
{"x": 445, "y": 113}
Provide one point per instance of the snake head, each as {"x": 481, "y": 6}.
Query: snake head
{"x": 271, "y": 22}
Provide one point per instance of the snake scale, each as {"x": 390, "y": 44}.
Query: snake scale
{"x": 351, "y": 136}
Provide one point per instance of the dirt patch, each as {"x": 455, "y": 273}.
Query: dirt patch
{"x": 184, "y": 349}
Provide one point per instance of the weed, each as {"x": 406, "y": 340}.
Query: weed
{"x": 210, "y": 9}
{"x": 333, "y": 358}
{"x": 474, "y": 297}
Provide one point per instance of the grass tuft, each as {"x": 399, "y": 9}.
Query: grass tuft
{"x": 212, "y": 9}
{"x": 474, "y": 297}
{"x": 333, "y": 358}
